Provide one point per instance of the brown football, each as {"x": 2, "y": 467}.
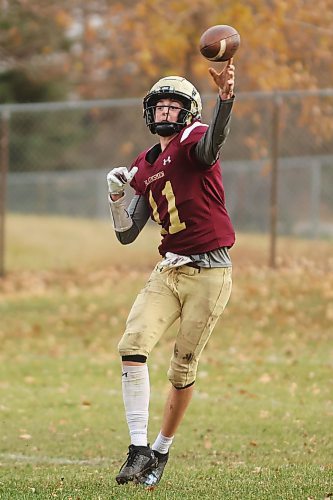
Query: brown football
{"x": 219, "y": 43}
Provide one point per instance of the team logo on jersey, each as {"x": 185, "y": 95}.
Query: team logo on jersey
{"x": 153, "y": 178}
{"x": 166, "y": 160}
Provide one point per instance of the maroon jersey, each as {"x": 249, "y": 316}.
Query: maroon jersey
{"x": 185, "y": 197}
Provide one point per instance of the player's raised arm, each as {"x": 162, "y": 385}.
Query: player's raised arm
{"x": 208, "y": 148}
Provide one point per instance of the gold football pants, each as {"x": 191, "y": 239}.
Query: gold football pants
{"x": 196, "y": 296}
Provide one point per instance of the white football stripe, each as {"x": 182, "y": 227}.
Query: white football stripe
{"x": 223, "y": 46}
{"x": 187, "y": 131}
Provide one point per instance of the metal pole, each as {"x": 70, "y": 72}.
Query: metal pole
{"x": 4, "y": 161}
{"x": 274, "y": 181}
{"x": 315, "y": 193}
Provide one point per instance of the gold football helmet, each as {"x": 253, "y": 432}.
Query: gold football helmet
{"x": 180, "y": 89}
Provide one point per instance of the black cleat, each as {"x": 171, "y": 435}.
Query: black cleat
{"x": 139, "y": 460}
{"x": 153, "y": 476}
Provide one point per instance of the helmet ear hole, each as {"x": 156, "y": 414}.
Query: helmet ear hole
{"x": 183, "y": 116}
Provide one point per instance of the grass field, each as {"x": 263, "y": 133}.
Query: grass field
{"x": 260, "y": 424}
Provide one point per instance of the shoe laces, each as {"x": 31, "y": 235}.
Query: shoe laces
{"x": 132, "y": 457}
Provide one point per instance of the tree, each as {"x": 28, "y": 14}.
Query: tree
{"x": 33, "y": 50}
{"x": 108, "y": 48}
{"x": 285, "y": 45}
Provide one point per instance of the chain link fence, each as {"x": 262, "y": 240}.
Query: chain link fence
{"x": 277, "y": 160}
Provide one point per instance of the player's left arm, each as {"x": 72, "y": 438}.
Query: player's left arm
{"x": 208, "y": 148}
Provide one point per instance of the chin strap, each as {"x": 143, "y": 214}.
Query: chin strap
{"x": 165, "y": 129}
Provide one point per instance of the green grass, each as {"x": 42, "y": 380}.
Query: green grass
{"x": 201, "y": 481}
{"x": 260, "y": 423}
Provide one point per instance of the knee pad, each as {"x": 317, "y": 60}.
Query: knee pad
{"x": 127, "y": 350}
{"x": 182, "y": 374}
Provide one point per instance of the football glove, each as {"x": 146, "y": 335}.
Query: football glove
{"x": 118, "y": 178}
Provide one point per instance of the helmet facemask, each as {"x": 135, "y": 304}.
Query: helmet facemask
{"x": 178, "y": 89}
{"x": 166, "y": 128}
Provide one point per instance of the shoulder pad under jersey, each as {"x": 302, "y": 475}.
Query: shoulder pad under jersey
{"x": 191, "y": 131}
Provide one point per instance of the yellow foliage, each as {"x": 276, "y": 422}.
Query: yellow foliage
{"x": 127, "y": 148}
{"x": 47, "y": 50}
{"x": 63, "y": 18}
{"x": 15, "y": 36}
{"x": 285, "y": 44}
{"x": 89, "y": 34}
{"x": 278, "y": 50}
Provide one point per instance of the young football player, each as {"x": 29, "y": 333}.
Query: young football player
{"x": 177, "y": 183}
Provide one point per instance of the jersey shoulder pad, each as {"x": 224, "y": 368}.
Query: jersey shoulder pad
{"x": 193, "y": 132}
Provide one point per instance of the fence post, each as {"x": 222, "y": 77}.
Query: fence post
{"x": 4, "y": 161}
{"x": 274, "y": 179}
{"x": 315, "y": 198}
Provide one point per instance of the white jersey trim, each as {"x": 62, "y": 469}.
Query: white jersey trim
{"x": 187, "y": 131}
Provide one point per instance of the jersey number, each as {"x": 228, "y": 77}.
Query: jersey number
{"x": 175, "y": 225}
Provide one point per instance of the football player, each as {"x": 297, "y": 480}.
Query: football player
{"x": 178, "y": 184}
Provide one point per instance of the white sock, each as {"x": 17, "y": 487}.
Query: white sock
{"x": 162, "y": 443}
{"x": 136, "y": 393}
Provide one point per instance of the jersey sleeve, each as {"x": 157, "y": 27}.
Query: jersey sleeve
{"x": 210, "y": 144}
{"x": 188, "y": 142}
{"x": 204, "y": 142}
{"x": 192, "y": 134}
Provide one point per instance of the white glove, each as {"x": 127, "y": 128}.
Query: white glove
{"x": 118, "y": 178}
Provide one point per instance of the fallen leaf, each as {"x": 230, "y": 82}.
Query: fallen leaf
{"x": 292, "y": 388}
{"x": 25, "y": 436}
{"x": 85, "y": 403}
{"x": 207, "y": 444}
{"x": 29, "y": 380}
{"x": 265, "y": 378}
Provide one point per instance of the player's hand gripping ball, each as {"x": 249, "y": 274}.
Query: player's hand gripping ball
{"x": 219, "y": 43}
